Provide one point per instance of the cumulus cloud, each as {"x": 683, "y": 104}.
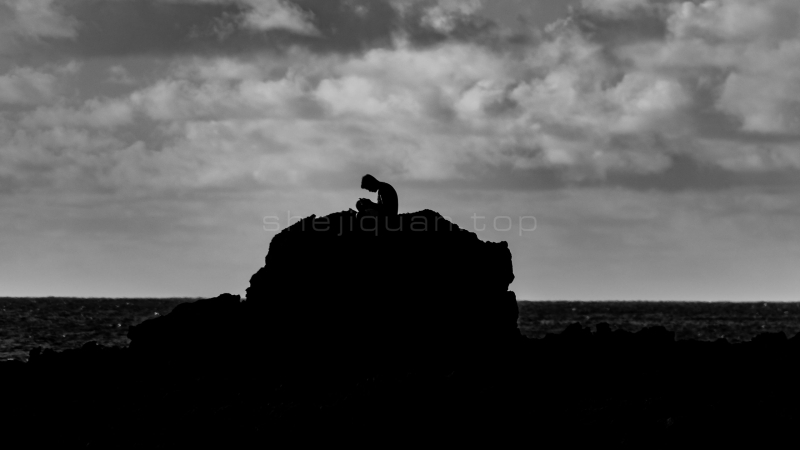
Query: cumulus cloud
{"x": 766, "y": 103}
{"x": 748, "y": 50}
{"x": 584, "y": 104}
{"x": 422, "y": 113}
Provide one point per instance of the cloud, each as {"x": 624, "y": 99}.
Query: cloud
{"x": 762, "y": 90}
{"x": 444, "y": 15}
{"x": 615, "y": 7}
{"x": 57, "y": 158}
{"x": 94, "y": 113}
{"x": 278, "y": 15}
{"x": 424, "y": 114}
{"x": 36, "y": 19}
{"x": 736, "y": 21}
{"x": 119, "y": 74}
{"x": 765, "y": 102}
{"x": 26, "y": 86}
{"x": 226, "y": 27}
{"x": 575, "y": 108}
{"x": 746, "y": 51}
{"x": 169, "y": 27}
{"x": 750, "y": 156}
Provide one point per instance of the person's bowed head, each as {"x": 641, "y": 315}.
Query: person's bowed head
{"x": 370, "y": 183}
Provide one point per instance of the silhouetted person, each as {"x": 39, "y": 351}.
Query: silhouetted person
{"x": 387, "y": 198}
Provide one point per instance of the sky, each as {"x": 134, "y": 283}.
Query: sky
{"x": 625, "y": 149}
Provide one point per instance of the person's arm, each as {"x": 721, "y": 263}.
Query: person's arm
{"x": 388, "y": 199}
{"x": 380, "y": 205}
{"x": 365, "y": 204}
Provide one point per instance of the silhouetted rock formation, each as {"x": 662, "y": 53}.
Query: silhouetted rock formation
{"x": 387, "y": 334}
{"x": 414, "y": 284}
{"x": 193, "y": 330}
{"x": 347, "y": 291}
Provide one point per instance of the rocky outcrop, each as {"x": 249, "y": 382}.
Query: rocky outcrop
{"x": 415, "y": 283}
{"x": 199, "y": 330}
{"x": 346, "y": 290}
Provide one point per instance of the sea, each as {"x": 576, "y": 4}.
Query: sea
{"x": 64, "y": 323}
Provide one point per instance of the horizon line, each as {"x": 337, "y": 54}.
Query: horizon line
{"x": 49, "y": 297}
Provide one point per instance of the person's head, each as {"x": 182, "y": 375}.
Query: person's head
{"x": 370, "y": 183}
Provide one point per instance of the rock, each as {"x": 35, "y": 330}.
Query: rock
{"x": 200, "y": 327}
{"x": 603, "y": 330}
{"x": 341, "y": 288}
{"x": 655, "y": 336}
{"x": 770, "y": 339}
{"x": 414, "y": 283}
{"x": 576, "y": 333}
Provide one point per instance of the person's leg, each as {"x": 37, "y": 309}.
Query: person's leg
{"x": 365, "y": 204}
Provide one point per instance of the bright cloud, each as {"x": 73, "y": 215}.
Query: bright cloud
{"x": 754, "y": 44}
{"x": 276, "y": 15}
{"x": 443, "y": 16}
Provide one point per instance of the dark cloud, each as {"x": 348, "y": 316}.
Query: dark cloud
{"x": 637, "y": 25}
{"x": 159, "y": 27}
{"x": 523, "y": 15}
{"x": 117, "y": 28}
{"x": 351, "y": 25}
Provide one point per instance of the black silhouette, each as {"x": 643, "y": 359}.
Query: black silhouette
{"x": 387, "y": 198}
{"x": 362, "y": 333}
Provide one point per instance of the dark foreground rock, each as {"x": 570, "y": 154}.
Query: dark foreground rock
{"x": 366, "y": 336}
{"x": 346, "y": 294}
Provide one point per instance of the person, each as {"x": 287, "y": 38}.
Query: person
{"x": 387, "y": 198}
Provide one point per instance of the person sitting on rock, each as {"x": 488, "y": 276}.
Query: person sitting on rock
{"x": 387, "y": 198}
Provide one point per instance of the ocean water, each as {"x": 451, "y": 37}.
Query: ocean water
{"x": 706, "y": 321}
{"x": 62, "y": 323}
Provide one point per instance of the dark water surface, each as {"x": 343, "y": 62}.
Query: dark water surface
{"x": 62, "y": 323}
{"x": 706, "y": 321}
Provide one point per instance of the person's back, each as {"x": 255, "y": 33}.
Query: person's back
{"x": 387, "y": 199}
